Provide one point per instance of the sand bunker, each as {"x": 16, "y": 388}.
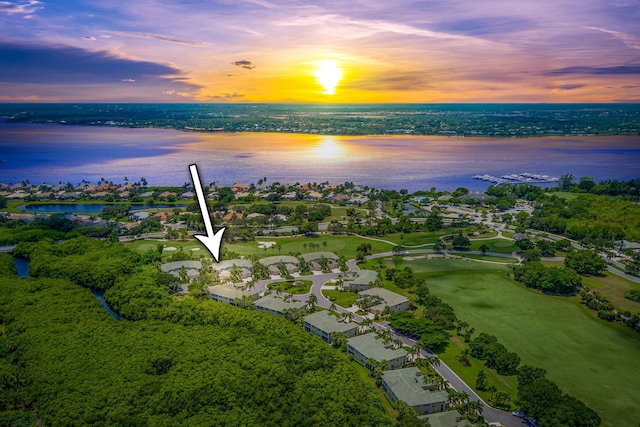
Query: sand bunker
{"x": 169, "y": 248}
{"x": 266, "y": 245}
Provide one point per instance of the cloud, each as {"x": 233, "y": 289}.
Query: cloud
{"x": 25, "y": 8}
{"x": 597, "y": 71}
{"x": 226, "y": 97}
{"x": 128, "y": 80}
{"x": 160, "y": 37}
{"x": 404, "y": 81}
{"x": 244, "y": 64}
{"x": 569, "y": 86}
{"x": 628, "y": 39}
{"x": 90, "y": 38}
{"x": 43, "y": 64}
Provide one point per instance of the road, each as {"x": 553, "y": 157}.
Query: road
{"x": 318, "y": 280}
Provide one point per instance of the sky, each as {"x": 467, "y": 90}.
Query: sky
{"x": 333, "y": 51}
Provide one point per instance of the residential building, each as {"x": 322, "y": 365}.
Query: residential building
{"x": 324, "y": 323}
{"x": 408, "y": 385}
{"x": 386, "y": 298}
{"x": 276, "y": 305}
{"x": 192, "y": 268}
{"x": 360, "y": 280}
{"x": 231, "y": 294}
{"x": 369, "y": 346}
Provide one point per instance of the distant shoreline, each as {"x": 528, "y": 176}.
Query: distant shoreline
{"x": 458, "y": 120}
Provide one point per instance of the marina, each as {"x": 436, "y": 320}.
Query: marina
{"x": 520, "y": 178}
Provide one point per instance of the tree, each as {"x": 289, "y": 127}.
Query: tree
{"x": 461, "y": 242}
{"x": 482, "y": 380}
{"x": 3, "y": 202}
{"x": 484, "y": 248}
{"x": 312, "y": 300}
{"x": 565, "y": 181}
{"x": 585, "y": 262}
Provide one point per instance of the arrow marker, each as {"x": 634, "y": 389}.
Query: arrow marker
{"x": 212, "y": 240}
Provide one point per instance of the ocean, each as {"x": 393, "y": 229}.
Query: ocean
{"x": 51, "y": 153}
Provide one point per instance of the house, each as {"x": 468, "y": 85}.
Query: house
{"x": 369, "y": 346}
{"x": 273, "y": 263}
{"x": 360, "y": 280}
{"x": 238, "y": 187}
{"x": 232, "y": 215}
{"x": 394, "y": 301}
{"x": 192, "y": 268}
{"x": 314, "y": 195}
{"x": 240, "y": 268}
{"x": 139, "y": 216}
{"x": 231, "y": 294}
{"x": 316, "y": 260}
{"x": 408, "y": 385}
{"x": 166, "y": 194}
{"x": 188, "y": 195}
{"x": 323, "y": 324}
{"x": 276, "y": 305}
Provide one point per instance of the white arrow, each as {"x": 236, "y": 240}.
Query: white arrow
{"x": 211, "y": 241}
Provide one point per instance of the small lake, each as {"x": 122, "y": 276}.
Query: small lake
{"x": 86, "y": 208}
{"x": 22, "y": 265}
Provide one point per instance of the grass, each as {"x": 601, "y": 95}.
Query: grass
{"x": 296, "y": 287}
{"x": 343, "y": 245}
{"x": 342, "y": 298}
{"x": 186, "y": 245}
{"x": 416, "y": 239}
{"x": 488, "y": 258}
{"x": 469, "y": 373}
{"x": 613, "y": 287}
{"x": 588, "y": 358}
{"x": 501, "y": 246}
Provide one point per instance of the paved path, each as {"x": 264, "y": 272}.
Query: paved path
{"x": 491, "y": 414}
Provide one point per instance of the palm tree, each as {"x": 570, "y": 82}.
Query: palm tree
{"x": 333, "y": 307}
{"x": 464, "y": 357}
{"x": 312, "y": 300}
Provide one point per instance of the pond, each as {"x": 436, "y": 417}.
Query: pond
{"x": 86, "y": 208}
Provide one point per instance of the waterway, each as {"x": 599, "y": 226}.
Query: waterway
{"x": 54, "y": 153}
{"x": 22, "y": 265}
{"x": 86, "y": 208}
{"x": 100, "y": 296}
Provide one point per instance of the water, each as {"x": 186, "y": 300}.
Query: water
{"x": 54, "y": 153}
{"x": 100, "y": 296}
{"x": 22, "y": 265}
{"x": 86, "y": 208}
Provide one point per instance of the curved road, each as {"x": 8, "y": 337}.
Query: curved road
{"x": 318, "y": 280}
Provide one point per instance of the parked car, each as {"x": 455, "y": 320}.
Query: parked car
{"x": 518, "y": 414}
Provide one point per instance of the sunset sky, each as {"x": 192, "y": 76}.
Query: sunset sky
{"x": 320, "y": 51}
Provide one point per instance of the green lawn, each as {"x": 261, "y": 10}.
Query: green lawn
{"x": 469, "y": 373}
{"x": 191, "y": 246}
{"x": 415, "y": 239}
{"x": 501, "y": 246}
{"x": 296, "y": 287}
{"x": 342, "y": 245}
{"x": 342, "y": 298}
{"x": 613, "y": 287}
{"x": 588, "y": 358}
{"x": 488, "y": 258}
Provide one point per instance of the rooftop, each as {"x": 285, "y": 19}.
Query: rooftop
{"x": 361, "y": 276}
{"x": 276, "y": 260}
{"x": 390, "y": 298}
{"x": 232, "y": 292}
{"x": 328, "y": 322}
{"x": 275, "y": 303}
{"x": 316, "y": 256}
{"x": 407, "y": 385}
{"x": 373, "y": 348}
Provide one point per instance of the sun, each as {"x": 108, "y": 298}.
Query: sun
{"x": 329, "y": 75}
